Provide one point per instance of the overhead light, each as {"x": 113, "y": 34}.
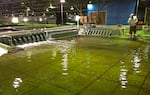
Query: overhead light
{"x": 28, "y": 9}
{"x": 62, "y": 1}
{"x": 12, "y": 15}
{"x": 77, "y": 18}
{"x": 15, "y": 20}
{"x": 40, "y": 19}
{"x": 72, "y": 8}
{"x": 25, "y": 19}
{"x": 33, "y": 13}
{"x": 51, "y": 6}
{"x": 47, "y": 10}
{"x": 22, "y": 3}
{"x": 44, "y": 14}
{"x": 90, "y": 2}
{"x": 90, "y": 6}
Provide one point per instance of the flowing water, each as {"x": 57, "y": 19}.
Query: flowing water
{"x": 82, "y": 66}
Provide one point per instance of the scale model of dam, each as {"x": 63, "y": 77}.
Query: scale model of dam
{"x": 15, "y": 38}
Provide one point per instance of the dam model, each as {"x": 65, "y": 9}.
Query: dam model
{"x": 14, "y": 38}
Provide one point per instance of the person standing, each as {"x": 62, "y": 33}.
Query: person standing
{"x": 132, "y": 22}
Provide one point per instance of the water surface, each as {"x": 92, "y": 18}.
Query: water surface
{"x": 82, "y": 66}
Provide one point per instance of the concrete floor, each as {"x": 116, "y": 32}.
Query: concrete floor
{"x": 85, "y": 66}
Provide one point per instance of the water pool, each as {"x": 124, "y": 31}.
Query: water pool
{"x": 83, "y": 66}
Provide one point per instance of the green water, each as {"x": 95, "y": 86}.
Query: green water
{"x": 83, "y": 66}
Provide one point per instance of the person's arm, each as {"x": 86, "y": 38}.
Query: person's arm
{"x": 135, "y": 19}
{"x": 129, "y": 21}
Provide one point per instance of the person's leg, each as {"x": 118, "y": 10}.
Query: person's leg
{"x": 135, "y": 32}
{"x": 131, "y": 29}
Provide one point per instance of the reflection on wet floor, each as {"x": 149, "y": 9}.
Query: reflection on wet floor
{"x": 136, "y": 64}
{"x": 123, "y": 75}
{"x": 65, "y": 64}
{"x": 136, "y": 60}
{"x": 146, "y": 53}
{"x": 16, "y": 83}
{"x": 54, "y": 53}
{"x": 63, "y": 47}
{"x": 65, "y": 68}
{"x": 29, "y": 54}
{"x": 64, "y": 50}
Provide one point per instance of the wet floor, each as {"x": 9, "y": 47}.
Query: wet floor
{"x": 83, "y": 66}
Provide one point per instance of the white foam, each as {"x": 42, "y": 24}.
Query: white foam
{"x": 3, "y": 51}
{"x": 58, "y": 43}
{"x": 33, "y": 44}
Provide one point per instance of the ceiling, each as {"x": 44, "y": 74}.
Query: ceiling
{"x": 38, "y": 7}
{"x": 8, "y": 7}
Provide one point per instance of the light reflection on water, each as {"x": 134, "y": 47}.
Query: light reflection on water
{"x": 123, "y": 75}
{"x": 29, "y": 54}
{"x": 83, "y": 59}
{"x": 136, "y": 62}
{"x": 16, "y": 83}
{"x": 146, "y": 53}
{"x": 65, "y": 64}
{"x": 54, "y": 53}
{"x": 138, "y": 57}
{"x": 64, "y": 50}
{"x": 63, "y": 47}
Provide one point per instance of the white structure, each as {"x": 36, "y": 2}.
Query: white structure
{"x": 62, "y": 17}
